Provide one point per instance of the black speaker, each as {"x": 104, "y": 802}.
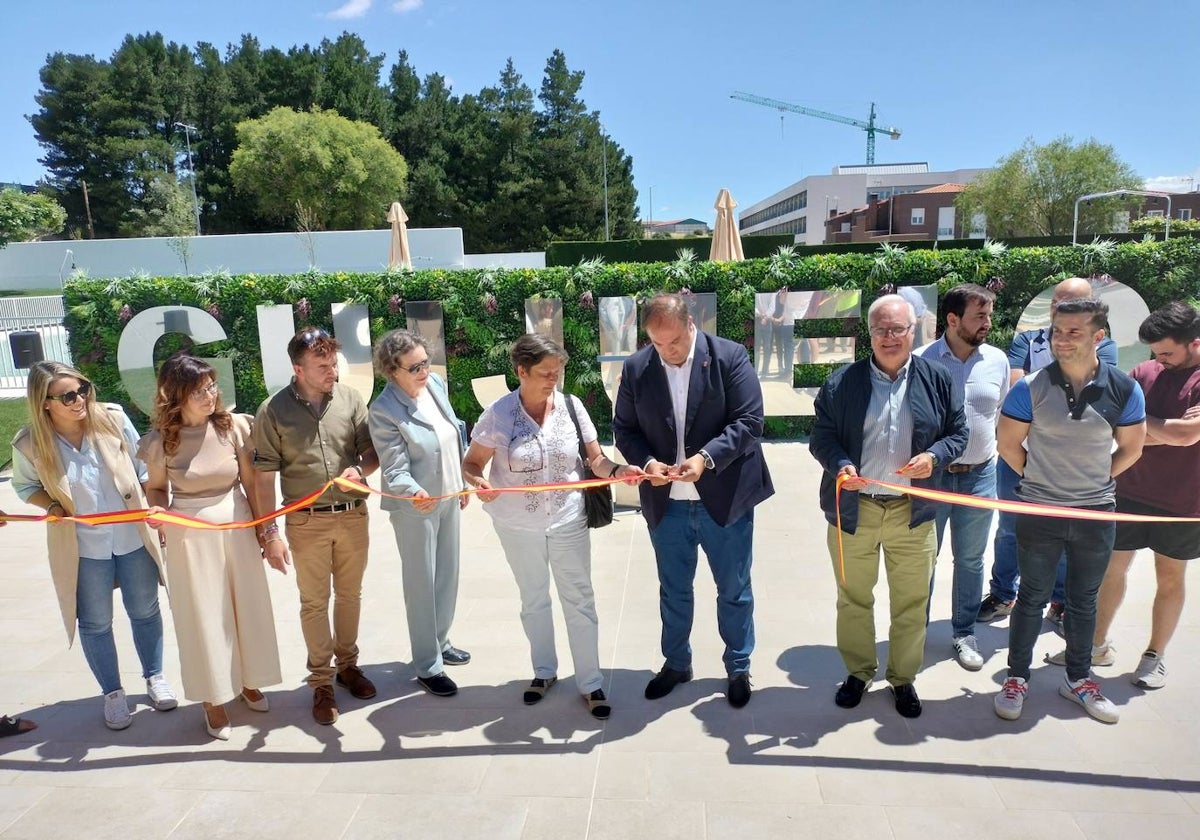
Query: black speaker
{"x": 26, "y": 348}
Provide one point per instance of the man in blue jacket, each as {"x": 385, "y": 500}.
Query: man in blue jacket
{"x": 892, "y": 417}
{"x": 690, "y": 413}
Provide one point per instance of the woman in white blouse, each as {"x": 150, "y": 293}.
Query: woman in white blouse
{"x": 420, "y": 444}
{"x": 530, "y": 438}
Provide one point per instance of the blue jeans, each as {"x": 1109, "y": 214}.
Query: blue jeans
{"x": 969, "y": 528}
{"x": 1004, "y": 548}
{"x": 684, "y": 527}
{"x": 1041, "y": 542}
{"x": 137, "y": 576}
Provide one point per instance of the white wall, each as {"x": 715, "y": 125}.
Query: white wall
{"x": 37, "y": 265}
{"x": 532, "y": 259}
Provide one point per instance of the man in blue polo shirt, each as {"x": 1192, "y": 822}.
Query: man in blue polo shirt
{"x": 1069, "y": 412}
{"x": 1029, "y": 352}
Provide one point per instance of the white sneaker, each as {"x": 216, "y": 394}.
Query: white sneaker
{"x": 1087, "y": 694}
{"x": 1151, "y": 672}
{"x": 116, "y": 710}
{"x": 162, "y": 696}
{"x": 1103, "y": 655}
{"x": 1011, "y": 698}
{"x": 966, "y": 651}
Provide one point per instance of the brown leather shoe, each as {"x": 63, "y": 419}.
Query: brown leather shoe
{"x": 325, "y": 710}
{"x": 357, "y": 683}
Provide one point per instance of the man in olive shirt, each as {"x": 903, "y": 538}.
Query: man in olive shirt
{"x": 311, "y": 432}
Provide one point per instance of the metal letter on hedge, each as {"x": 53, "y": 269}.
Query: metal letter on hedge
{"x": 276, "y": 326}
{"x": 135, "y": 350}
{"x": 352, "y": 327}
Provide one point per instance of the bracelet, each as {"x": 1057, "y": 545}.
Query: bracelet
{"x": 55, "y": 504}
{"x": 275, "y": 538}
{"x": 615, "y": 469}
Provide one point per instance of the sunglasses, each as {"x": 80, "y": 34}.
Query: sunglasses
{"x": 311, "y": 336}
{"x": 70, "y": 397}
{"x": 418, "y": 367}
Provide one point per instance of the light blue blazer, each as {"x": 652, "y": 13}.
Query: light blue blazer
{"x": 410, "y": 457}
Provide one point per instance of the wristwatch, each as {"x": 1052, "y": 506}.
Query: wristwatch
{"x": 709, "y": 463}
{"x": 934, "y": 458}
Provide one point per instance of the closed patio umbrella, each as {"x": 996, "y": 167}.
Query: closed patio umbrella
{"x": 398, "y": 254}
{"x": 727, "y": 242}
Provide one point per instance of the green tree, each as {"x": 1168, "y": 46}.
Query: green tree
{"x": 25, "y": 216}
{"x": 342, "y": 172}
{"x": 165, "y": 209}
{"x": 1032, "y": 191}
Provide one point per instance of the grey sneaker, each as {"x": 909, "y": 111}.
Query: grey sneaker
{"x": 116, "y": 710}
{"x": 1011, "y": 698}
{"x": 1102, "y": 656}
{"x": 992, "y": 608}
{"x": 1151, "y": 672}
{"x": 966, "y": 651}
{"x": 162, "y": 696}
{"x": 1087, "y": 694}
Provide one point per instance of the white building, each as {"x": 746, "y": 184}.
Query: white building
{"x": 802, "y": 208}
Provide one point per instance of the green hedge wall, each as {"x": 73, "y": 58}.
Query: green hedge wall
{"x": 655, "y": 250}
{"x": 484, "y": 309}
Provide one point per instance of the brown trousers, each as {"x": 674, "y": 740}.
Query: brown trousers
{"x": 329, "y": 548}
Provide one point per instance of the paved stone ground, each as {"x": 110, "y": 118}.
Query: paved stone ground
{"x": 791, "y": 764}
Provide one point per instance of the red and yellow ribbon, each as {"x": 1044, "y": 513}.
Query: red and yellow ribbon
{"x": 125, "y": 517}
{"x": 1002, "y": 505}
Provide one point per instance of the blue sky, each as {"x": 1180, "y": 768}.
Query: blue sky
{"x": 966, "y": 82}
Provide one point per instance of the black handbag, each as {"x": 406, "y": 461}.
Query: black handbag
{"x": 597, "y": 501}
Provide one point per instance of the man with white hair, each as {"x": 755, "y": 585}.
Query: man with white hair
{"x": 893, "y": 417}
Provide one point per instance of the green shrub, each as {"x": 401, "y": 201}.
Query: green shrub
{"x": 477, "y": 341}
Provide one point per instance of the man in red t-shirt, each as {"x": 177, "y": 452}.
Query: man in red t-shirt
{"x": 1165, "y": 482}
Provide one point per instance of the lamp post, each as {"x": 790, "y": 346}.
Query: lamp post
{"x": 1122, "y": 193}
{"x": 187, "y": 136}
{"x": 604, "y": 141}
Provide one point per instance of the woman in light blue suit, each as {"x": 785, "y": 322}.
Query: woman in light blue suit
{"x": 420, "y": 443}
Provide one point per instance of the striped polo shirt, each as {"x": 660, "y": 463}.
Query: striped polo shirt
{"x": 1071, "y": 435}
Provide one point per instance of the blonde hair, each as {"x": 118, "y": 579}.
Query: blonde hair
{"x": 41, "y": 429}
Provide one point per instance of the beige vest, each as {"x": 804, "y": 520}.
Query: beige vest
{"x": 62, "y": 545}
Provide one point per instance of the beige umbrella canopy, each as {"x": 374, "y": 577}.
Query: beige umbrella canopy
{"x": 727, "y": 242}
{"x": 398, "y": 255}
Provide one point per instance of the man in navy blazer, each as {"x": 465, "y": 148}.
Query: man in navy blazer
{"x": 690, "y": 412}
{"x": 893, "y": 417}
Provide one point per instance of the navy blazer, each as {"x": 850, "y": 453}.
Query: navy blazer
{"x": 724, "y": 417}
{"x": 939, "y": 426}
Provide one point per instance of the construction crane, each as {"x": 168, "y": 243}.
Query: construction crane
{"x": 868, "y": 126}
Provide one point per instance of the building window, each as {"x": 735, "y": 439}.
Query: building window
{"x": 918, "y": 216}
{"x": 1154, "y": 214}
{"x": 1185, "y": 215}
{"x": 845, "y": 227}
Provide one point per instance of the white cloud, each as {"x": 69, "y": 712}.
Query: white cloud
{"x": 351, "y": 9}
{"x": 1174, "y": 183}
{"x": 405, "y": 6}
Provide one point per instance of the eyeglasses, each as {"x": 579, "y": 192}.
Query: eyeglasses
{"x": 70, "y": 397}
{"x": 526, "y": 454}
{"x": 201, "y": 394}
{"x": 890, "y": 332}
{"x": 417, "y": 368}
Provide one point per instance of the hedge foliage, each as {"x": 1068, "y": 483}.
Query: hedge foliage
{"x": 655, "y": 250}
{"x": 484, "y": 309}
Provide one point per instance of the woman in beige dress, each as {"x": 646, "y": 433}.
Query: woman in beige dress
{"x": 202, "y": 457}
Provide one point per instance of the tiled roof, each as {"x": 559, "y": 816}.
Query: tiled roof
{"x": 943, "y": 188}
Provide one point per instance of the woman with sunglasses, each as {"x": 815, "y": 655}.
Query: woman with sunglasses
{"x": 76, "y": 457}
{"x": 529, "y": 437}
{"x": 420, "y": 445}
{"x": 200, "y": 460}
